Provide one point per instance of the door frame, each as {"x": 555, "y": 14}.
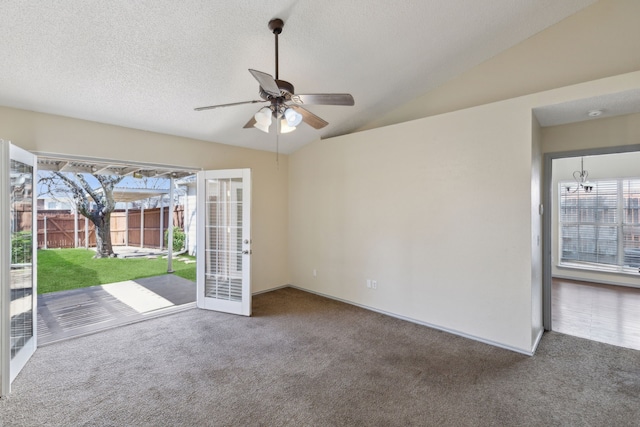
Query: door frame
{"x": 242, "y": 307}
{"x": 9, "y": 368}
{"x": 547, "y": 219}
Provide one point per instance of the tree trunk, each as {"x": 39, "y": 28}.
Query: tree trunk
{"x": 104, "y": 249}
{"x": 93, "y": 204}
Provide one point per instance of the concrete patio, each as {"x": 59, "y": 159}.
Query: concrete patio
{"x": 67, "y": 314}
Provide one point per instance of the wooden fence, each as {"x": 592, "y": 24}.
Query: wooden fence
{"x": 144, "y": 228}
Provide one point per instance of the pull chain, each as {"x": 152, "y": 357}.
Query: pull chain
{"x": 278, "y": 144}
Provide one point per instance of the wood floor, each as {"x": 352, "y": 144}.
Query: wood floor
{"x": 604, "y": 313}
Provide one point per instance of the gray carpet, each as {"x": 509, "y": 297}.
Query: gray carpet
{"x": 303, "y": 360}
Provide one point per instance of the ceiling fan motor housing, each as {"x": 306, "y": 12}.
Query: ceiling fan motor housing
{"x": 277, "y": 103}
{"x": 286, "y": 90}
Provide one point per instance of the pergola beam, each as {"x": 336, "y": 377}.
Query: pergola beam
{"x": 112, "y": 168}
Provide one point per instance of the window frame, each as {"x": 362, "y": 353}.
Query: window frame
{"x": 627, "y": 234}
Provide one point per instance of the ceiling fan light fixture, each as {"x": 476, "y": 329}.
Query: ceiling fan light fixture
{"x": 293, "y": 117}
{"x": 263, "y": 116}
{"x": 262, "y": 127}
{"x": 263, "y": 120}
{"x": 285, "y": 127}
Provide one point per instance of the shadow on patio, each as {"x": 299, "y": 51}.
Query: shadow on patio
{"x": 78, "y": 312}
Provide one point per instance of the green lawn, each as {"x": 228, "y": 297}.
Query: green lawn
{"x": 64, "y": 269}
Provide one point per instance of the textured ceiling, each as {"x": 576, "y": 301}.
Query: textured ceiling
{"x": 147, "y": 64}
{"x": 610, "y": 105}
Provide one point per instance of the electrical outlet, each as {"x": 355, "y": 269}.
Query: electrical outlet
{"x": 374, "y": 284}
{"x": 315, "y": 273}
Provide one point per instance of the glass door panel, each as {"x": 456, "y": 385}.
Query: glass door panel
{"x": 224, "y": 243}
{"x": 18, "y": 262}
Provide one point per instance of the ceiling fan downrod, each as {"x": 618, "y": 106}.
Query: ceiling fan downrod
{"x": 282, "y": 99}
{"x": 275, "y": 25}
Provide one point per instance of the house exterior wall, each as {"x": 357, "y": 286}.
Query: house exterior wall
{"x": 189, "y": 202}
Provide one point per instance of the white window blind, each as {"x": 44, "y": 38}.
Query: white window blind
{"x": 600, "y": 229}
{"x": 631, "y": 223}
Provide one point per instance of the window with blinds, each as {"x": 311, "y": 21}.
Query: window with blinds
{"x": 600, "y": 229}
{"x": 631, "y": 223}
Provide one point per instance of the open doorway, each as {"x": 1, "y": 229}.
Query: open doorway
{"x": 147, "y": 265}
{"x": 223, "y": 262}
{"x": 592, "y": 261}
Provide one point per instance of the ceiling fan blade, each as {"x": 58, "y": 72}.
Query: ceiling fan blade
{"x": 267, "y": 83}
{"x": 250, "y": 123}
{"x": 309, "y": 118}
{"x": 211, "y": 107}
{"x": 323, "y": 99}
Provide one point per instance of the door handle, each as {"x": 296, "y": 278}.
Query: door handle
{"x": 247, "y": 252}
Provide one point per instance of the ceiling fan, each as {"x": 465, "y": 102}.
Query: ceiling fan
{"x": 285, "y": 105}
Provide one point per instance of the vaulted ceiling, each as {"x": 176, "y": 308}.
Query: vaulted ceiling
{"x": 146, "y": 65}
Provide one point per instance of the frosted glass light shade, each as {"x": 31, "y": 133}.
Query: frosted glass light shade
{"x": 293, "y": 117}
{"x": 263, "y": 120}
{"x": 263, "y": 128}
{"x": 285, "y": 128}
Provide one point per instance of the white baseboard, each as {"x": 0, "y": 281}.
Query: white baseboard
{"x": 427, "y": 324}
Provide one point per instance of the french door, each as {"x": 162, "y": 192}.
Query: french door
{"x": 223, "y": 249}
{"x": 18, "y": 297}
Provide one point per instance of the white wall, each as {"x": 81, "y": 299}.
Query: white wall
{"x": 55, "y": 134}
{"x": 601, "y": 166}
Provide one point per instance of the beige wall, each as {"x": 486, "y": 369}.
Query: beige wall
{"x": 591, "y": 134}
{"x": 607, "y": 132}
{"x": 54, "y": 134}
{"x": 437, "y": 211}
{"x": 441, "y": 211}
{"x": 600, "y": 41}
